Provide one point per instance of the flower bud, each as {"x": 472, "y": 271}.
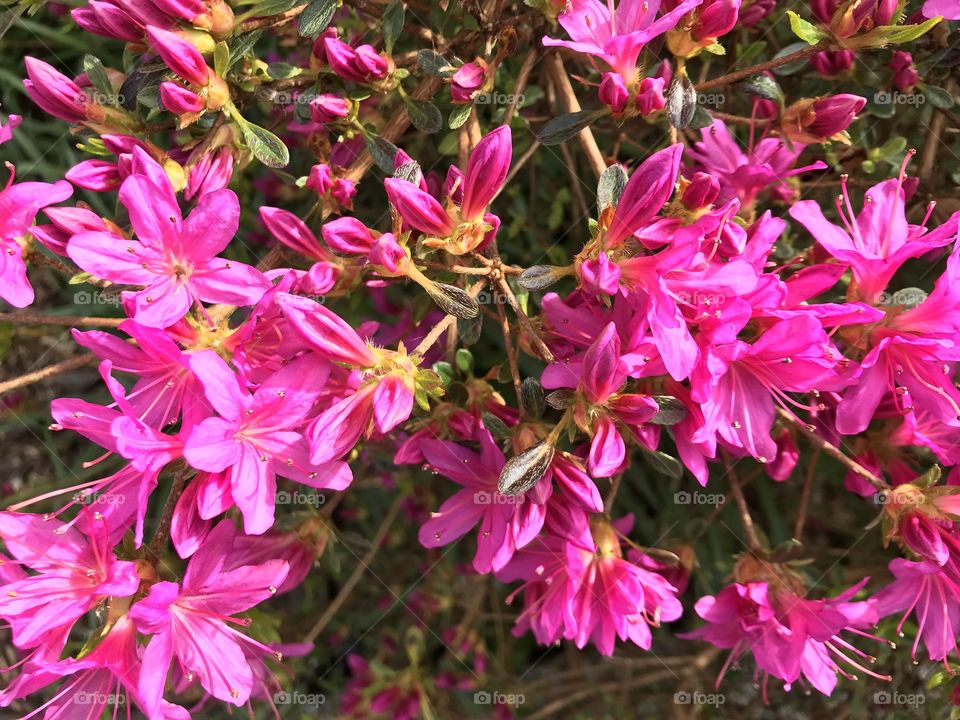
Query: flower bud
{"x": 650, "y": 97}
{"x": 320, "y": 179}
{"x": 831, "y": 63}
{"x": 180, "y": 56}
{"x": 714, "y": 19}
{"x": 467, "y": 81}
{"x": 752, "y": 13}
{"x": 599, "y": 276}
{"x": 181, "y": 100}
{"x": 328, "y": 108}
{"x": 614, "y": 93}
{"x": 905, "y": 75}
{"x": 388, "y": 254}
{"x": 343, "y": 192}
{"x": 701, "y": 192}
{"x": 54, "y": 92}
{"x": 821, "y": 119}
{"x": 95, "y": 175}
{"x": 348, "y": 235}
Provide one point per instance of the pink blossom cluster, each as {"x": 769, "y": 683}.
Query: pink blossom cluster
{"x": 683, "y": 324}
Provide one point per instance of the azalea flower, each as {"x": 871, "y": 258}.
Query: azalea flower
{"x": 174, "y": 259}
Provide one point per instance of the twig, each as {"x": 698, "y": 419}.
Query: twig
{"x": 561, "y": 81}
{"x": 932, "y": 144}
{"x": 166, "y": 518}
{"x": 545, "y": 353}
{"x": 522, "y": 78}
{"x": 357, "y": 573}
{"x": 834, "y": 452}
{"x": 805, "y": 494}
{"x": 753, "y": 540}
{"x": 733, "y": 77}
{"x": 47, "y": 372}
{"x": 22, "y": 318}
{"x": 508, "y": 347}
{"x": 441, "y": 326}
{"x": 271, "y": 20}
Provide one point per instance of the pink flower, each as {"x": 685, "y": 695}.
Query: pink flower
{"x": 787, "y": 634}
{"x": 190, "y": 621}
{"x": 256, "y": 437}
{"x": 616, "y": 36}
{"x": 506, "y": 522}
{"x": 905, "y": 75}
{"x": 75, "y": 571}
{"x": 19, "y": 205}
{"x": 948, "y": 9}
{"x": 614, "y": 92}
{"x": 467, "y": 80}
{"x": 361, "y": 64}
{"x": 180, "y": 56}
{"x": 831, "y": 63}
{"x": 174, "y": 259}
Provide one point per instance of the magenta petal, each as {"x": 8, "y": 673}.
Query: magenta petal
{"x": 486, "y": 170}
{"x": 418, "y": 209}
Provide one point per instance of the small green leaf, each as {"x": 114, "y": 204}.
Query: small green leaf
{"x": 804, "y": 29}
{"x": 241, "y": 45}
{"x": 762, "y": 86}
{"x": 392, "y": 25}
{"x": 99, "y": 79}
{"x": 610, "y": 186}
{"x": 424, "y": 115}
{"x": 317, "y": 16}
{"x": 701, "y": 118}
{"x": 938, "y": 97}
{"x": 283, "y": 71}
{"x": 896, "y": 34}
{"x": 791, "y": 67}
{"x": 459, "y": 115}
{"x": 893, "y": 146}
{"x": 566, "y": 126}
{"x": 433, "y": 63}
{"x": 464, "y": 360}
{"x": 221, "y": 59}
{"x": 681, "y": 100}
{"x": 266, "y": 8}
{"x": 265, "y": 146}
{"x": 445, "y": 371}
{"x": 663, "y": 463}
{"x": 382, "y": 151}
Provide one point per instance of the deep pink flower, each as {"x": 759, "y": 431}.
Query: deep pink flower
{"x": 175, "y": 259}
{"x": 616, "y": 36}
{"x": 189, "y": 621}
{"x": 19, "y": 205}
{"x": 256, "y": 437}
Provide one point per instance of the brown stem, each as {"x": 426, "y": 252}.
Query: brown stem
{"x": 805, "y": 494}
{"x": 441, "y": 326}
{"x": 45, "y": 373}
{"x": 166, "y": 517}
{"x": 561, "y": 81}
{"x": 834, "y": 452}
{"x": 357, "y": 573}
{"x": 738, "y": 75}
{"x": 753, "y": 540}
{"x": 931, "y": 145}
{"x": 272, "y": 20}
{"x": 545, "y": 354}
{"x": 26, "y": 318}
{"x": 522, "y": 78}
{"x": 508, "y": 347}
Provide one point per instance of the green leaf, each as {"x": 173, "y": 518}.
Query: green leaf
{"x": 99, "y": 79}
{"x": 265, "y": 146}
{"x": 221, "y": 59}
{"x": 681, "y": 100}
{"x": 893, "y": 146}
{"x": 424, "y": 115}
{"x": 938, "y": 97}
{"x": 804, "y": 29}
{"x": 610, "y": 187}
{"x": 791, "y": 67}
{"x": 266, "y": 8}
{"x": 464, "y": 360}
{"x": 392, "y": 25}
{"x": 896, "y": 34}
{"x": 762, "y": 86}
{"x": 459, "y": 115}
{"x": 566, "y": 126}
{"x": 445, "y": 371}
{"x": 283, "y": 71}
{"x": 433, "y": 63}
{"x": 663, "y": 463}
{"x": 317, "y": 16}
{"x": 382, "y": 151}
{"x": 241, "y": 45}
{"x": 701, "y": 118}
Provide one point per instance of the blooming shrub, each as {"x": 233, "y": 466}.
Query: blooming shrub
{"x": 535, "y": 359}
